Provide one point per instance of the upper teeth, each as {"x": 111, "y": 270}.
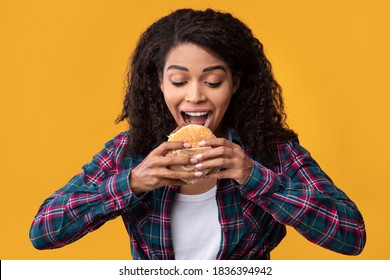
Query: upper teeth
{"x": 196, "y": 114}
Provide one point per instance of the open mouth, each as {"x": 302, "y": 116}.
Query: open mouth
{"x": 202, "y": 118}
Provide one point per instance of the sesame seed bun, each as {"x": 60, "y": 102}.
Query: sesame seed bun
{"x": 193, "y": 134}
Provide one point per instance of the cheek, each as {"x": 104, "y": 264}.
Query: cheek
{"x": 172, "y": 103}
{"x": 222, "y": 100}
{"x": 172, "y": 95}
{"x": 170, "y": 99}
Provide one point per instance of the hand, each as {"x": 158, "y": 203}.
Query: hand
{"x": 153, "y": 172}
{"x": 236, "y": 164}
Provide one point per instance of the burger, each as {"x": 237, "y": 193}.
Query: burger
{"x": 193, "y": 134}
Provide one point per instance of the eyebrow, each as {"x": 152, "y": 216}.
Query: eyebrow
{"x": 207, "y": 69}
{"x": 178, "y": 67}
{"x": 216, "y": 67}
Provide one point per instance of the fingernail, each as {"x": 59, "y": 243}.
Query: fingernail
{"x": 193, "y": 160}
{"x": 199, "y": 156}
{"x": 187, "y": 145}
{"x": 198, "y": 166}
{"x": 202, "y": 143}
{"x": 198, "y": 174}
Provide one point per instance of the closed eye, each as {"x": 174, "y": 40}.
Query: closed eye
{"x": 178, "y": 84}
{"x": 213, "y": 85}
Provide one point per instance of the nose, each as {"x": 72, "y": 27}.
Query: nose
{"x": 195, "y": 94}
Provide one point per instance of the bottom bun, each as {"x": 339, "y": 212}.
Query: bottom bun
{"x": 192, "y": 152}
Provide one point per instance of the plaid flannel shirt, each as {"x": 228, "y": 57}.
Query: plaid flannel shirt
{"x": 253, "y": 216}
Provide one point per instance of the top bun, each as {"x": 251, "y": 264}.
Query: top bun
{"x": 191, "y": 133}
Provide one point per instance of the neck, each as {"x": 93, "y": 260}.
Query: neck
{"x": 201, "y": 186}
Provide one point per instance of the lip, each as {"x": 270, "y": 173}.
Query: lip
{"x": 195, "y": 110}
{"x": 208, "y": 112}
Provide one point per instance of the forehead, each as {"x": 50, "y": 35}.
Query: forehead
{"x": 192, "y": 56}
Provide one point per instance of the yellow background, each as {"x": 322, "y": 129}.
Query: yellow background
{"x": 63, "y": 67}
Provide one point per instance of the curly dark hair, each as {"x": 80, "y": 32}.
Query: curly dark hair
{"x": 256, "y": 110}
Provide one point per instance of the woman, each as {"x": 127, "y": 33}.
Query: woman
{"x": 203, "y": 67}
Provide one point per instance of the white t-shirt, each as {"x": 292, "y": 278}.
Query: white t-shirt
{"x": 196, "y": 231}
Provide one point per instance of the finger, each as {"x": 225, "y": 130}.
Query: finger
{"x": 178, "y": 174}
{"x": 175, "y": 160}
{"x": 216, "y": 142}
{"x": 223, "y": 174}
{"x": 170, "y": 146}
{"x": 218, "y": 152}
{"x": 223, "y": 157}
{"x": 217, "y": 163}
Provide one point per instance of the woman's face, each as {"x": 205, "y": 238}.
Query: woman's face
{"x": 197, "y": 86}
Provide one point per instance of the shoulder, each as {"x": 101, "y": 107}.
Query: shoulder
{"x": 121, "y": 139}
{"x": 291, "y": 147}
{"x": 292, "y": 154}
{"x": 108, "y": 159}
{"x": 294, "y": 157}
{"x": 112, "y": 149}
{"x": 117, "y": 143}
{"x": 116, "y": 150}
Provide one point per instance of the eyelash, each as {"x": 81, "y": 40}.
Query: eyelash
{"x": 211, "y": 85}
{"x": 178, "y": 84}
